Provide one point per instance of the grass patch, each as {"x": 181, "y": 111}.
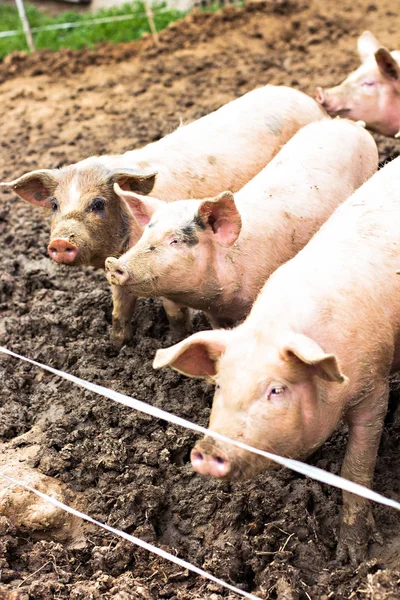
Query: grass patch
{"x": 84, "y": 35}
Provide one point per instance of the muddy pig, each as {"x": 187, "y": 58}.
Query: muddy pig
{"x": 372, "y": 92}
{"x": 222, "y": 150}
{"x": 318, "y": 346}
{"x": 216, "y": 254}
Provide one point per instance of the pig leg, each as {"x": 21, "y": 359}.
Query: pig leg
{"x": 178, "y": 318}
{"x": 124, "y": 303}
{"x": 365, "y": 422}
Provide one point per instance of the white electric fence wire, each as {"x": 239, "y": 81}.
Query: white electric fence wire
{"x": 131, "y": 538}
{"x": 295, "y": 465}
{"x": 73, "y": 24}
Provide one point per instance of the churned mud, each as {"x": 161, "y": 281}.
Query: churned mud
{"x": 275, "y": 535}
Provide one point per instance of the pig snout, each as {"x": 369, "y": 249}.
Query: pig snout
{"x": 208, "y": 459}
{"x": 335, "y": 101}
{"x": 116, "y": 273}
{"x": 319, "y": 95}
{"x": 62, "y": 251}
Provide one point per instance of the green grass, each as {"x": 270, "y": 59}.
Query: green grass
{"x": 85, "y": 35}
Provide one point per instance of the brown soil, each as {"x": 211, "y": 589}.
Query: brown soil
{"x": 274, "y": 536}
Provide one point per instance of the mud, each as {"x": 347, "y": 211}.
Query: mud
{"x": 275, "y": 535}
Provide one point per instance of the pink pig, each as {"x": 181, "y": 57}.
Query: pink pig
{"x": 318, "y": 346}
{"x": 215, "y": 254}
{"x": 372, "y": 92}
{"x": 222, "y": 150}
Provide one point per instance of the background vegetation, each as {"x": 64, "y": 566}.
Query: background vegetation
{"x": 84, "y": 35}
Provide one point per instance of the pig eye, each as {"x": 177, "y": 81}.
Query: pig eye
{"x": 97, "y": 205}
{"x": 368, "y": 83}
{"x": 277, "y": 390}
{"x": 172, "y": 242}
{"x": 54, "y": 205}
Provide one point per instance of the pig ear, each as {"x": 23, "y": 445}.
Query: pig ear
{"x": 367, "y": 45}
{"x": 141, "y": 208}
{"x": 196, "y": 356}
{"x": 35, "y": 187}
{"x": 133, "y": 180}
{"x": 304, "y": 349}
{"x": 222, "y": 215}
{"x": 387, "y": 64}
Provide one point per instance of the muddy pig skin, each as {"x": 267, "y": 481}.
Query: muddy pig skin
{"x": 372, "y": 92}
{"x": 318, "y": 346}
{"x": 216, "y": 254}
{"x": 222, "y": 150}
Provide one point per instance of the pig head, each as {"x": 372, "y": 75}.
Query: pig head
{"x": 372, "y": 92}
{"x": 89, "y": 222}
{"x": 275, "y": 400}
{"x": 175, "y": 254}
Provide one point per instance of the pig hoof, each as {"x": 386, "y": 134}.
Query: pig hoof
{"x": 378, "y": 537}
{"x": 357, "y": 529}
{"x": 353, "y": 542}
{"x": 120, "y": 337}
{"x": 351, "y": 551}
{"x": 117, "y": 341}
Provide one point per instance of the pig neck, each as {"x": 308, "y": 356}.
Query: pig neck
{"x": 234, "y": 276}
{"x": 391, "y": 125}
{"x": 395, "y": 131}
{"x": 241, "y": 269}
{"x": 322, "y": 406}
{"x": 214, "y": 282}
{"x": 227, "y": 276}
{"x": 301, "y": 299}
{"x": 211, "y": 282}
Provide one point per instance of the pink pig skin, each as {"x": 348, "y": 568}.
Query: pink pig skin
{"x": 215, "y": 255}
{"x": 222, "y": 150}
{"x": 372, "y": 92}
{"x": 318, "y": 346}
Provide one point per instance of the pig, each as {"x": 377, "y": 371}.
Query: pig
{"x": 318, "y": 345}
{"x": 224, "y": 149}
{"x": 215, "y": 254}
{"x": 372, "y": 92}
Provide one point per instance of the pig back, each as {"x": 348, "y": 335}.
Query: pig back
{"x": 339, "y": 148}
{"x": 317, "y": 170}
{"x": 342, "y": 287}
{"x": 227, "y": 148}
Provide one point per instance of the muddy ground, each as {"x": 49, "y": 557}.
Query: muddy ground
{"x": 274, "y": 536}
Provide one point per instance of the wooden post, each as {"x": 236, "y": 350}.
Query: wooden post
{"x": 150, "y": 18}
{"x": 25, "y": 25}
